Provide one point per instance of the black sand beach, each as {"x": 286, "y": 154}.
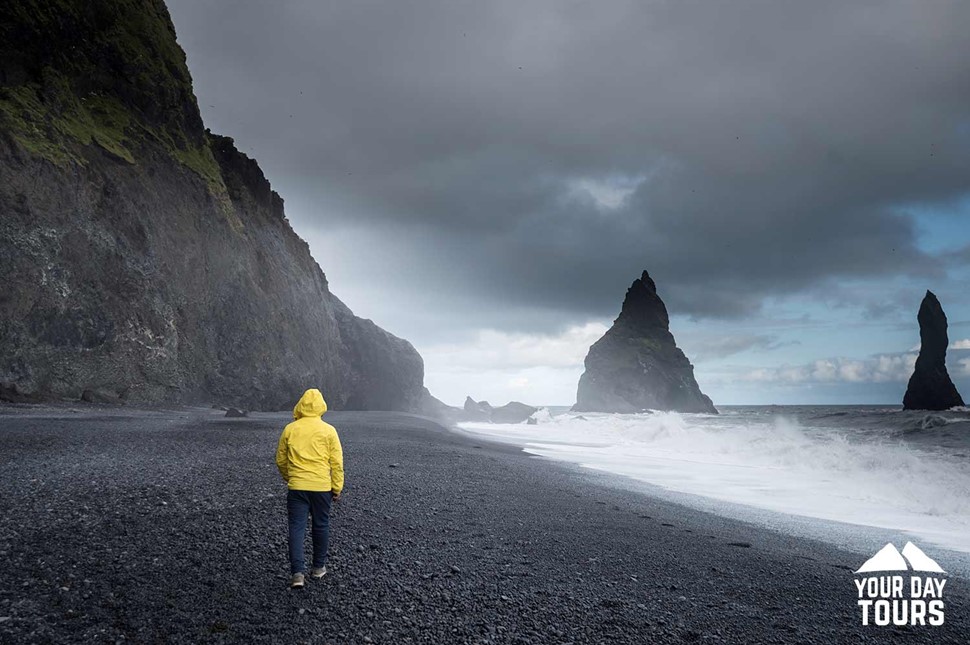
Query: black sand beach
{"x": 169, "y": 526}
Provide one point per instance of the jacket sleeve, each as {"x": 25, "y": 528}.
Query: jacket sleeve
{"x": 282, "y": 459}
{"x": 336, "y": 464}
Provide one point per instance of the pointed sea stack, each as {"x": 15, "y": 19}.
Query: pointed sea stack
{"x": 930, "y": 387}
{"x": 637, "y": 365}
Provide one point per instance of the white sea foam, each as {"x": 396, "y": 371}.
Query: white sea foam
{"x": 769, "y": 462}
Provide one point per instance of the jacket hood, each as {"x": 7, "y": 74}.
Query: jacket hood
{"x": 311, "y": 404}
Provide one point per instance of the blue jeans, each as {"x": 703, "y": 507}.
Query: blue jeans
{"x": 300, "y": 503}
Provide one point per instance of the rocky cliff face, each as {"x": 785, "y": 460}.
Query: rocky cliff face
{"x": 930, "y": 387}
{"x": 144, "y": 257}
{"x": 637, "y": 365}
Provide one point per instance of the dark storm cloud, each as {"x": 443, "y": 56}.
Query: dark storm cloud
{"x": 760, "y": 149}
{"x": 724, "y": 346}
{"x": 960, "y": 257}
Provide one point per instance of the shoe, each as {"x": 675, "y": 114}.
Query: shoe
{"x": 296, "y": 582}
{"x": 318, "y": 572}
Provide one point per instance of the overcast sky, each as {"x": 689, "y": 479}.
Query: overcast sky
{"x": 486, "y": 179}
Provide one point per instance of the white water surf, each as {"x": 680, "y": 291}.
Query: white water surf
{"x": 874, "y": 468}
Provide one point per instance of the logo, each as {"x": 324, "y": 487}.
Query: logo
{"x": 904, "y": 598}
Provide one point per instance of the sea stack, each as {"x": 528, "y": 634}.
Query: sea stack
{"x": 637, "y": 365}
{"x": 930, "y": 387}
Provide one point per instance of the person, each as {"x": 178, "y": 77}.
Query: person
{"x": 310, "y": 459}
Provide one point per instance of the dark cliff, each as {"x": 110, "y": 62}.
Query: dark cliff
{"x": 144, "y": 257}
{"x": 637, "y": 365}
{"x": 930, "y": 387}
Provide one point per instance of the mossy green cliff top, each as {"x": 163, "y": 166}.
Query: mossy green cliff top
{"x": 110, "y": 73}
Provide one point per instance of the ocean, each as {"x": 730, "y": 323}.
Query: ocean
{"x": 873, "y": 466}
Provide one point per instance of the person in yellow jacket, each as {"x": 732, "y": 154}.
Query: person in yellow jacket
{"x": 311, "y": 462}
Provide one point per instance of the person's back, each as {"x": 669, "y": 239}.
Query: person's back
{"x": 310, "y": 459}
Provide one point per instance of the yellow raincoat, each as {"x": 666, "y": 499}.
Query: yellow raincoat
{"x": 309, "y": 455}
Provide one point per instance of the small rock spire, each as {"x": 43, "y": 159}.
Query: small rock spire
{"x": 930, "y": 387}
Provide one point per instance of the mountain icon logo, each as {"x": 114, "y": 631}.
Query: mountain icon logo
{"x": 890, "y": 559}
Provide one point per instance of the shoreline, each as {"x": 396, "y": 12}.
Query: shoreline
{"x": 170, "y": 523}
{"x": 860, "y": 531}
{"x": 857, "y": 538}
